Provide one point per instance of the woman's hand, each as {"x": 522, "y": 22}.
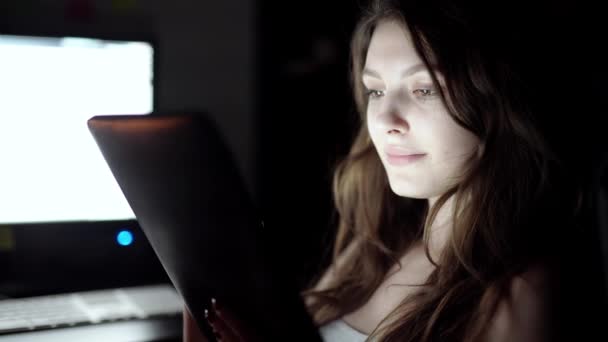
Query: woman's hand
{"x": 191, "y": 331}
{"x": 224, "y": 325}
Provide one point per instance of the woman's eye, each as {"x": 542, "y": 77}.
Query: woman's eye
{"x": 374, "y": 94}
{"x": 425, "y": 93}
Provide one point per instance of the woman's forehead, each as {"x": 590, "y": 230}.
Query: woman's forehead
{"x": 391, "y": 47}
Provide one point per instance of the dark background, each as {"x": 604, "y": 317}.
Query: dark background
{"x": 307, "y": 122}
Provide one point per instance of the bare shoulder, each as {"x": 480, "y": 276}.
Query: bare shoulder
{"x": 536, "y": 277}
{"x": 330, "y": 273}
{"x": 522, "y": 315}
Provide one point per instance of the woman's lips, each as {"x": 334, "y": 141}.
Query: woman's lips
{"x": 398, "y": 157}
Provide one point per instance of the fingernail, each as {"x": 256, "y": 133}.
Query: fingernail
{"x": 209, "y": 317}
{"x": 215, "y": 306}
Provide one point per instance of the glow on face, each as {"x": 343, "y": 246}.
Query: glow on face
{"x": 422, "y": 148}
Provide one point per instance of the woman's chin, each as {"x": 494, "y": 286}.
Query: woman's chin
{"x": 409, "y": 190}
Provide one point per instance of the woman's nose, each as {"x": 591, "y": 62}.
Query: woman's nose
{"x": 392, "y": 117}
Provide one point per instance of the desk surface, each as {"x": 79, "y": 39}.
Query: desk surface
{"x": 159, "y": 329}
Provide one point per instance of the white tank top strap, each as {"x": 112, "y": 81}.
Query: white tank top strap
{"x": 340, "y": 331}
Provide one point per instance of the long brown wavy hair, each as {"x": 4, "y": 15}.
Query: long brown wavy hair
{"x": 509, "y": 216}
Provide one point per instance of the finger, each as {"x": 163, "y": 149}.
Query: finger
{"x": 223, "y": 332}
{"x": 238, "y": 327}
{"x": 191, "y": 331}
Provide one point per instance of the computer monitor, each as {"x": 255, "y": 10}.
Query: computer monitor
{"x": 64, "y": 223}
{"x": 52, "y": 170}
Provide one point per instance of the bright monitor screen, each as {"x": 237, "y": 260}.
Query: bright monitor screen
{"x": 50, "y": 167}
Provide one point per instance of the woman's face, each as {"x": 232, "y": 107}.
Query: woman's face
{"x": 422, "y": 148}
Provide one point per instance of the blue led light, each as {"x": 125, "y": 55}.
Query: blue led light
{"x": 124, "y": 238}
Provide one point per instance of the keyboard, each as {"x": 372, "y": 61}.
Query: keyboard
{"x": 91, "y": 307}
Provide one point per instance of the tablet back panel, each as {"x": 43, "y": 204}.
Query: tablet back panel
{"x": 185, "y": 190}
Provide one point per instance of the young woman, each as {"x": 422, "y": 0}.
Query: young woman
{"x": 449, "y": 215}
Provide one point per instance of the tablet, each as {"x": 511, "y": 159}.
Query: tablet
{"x": 185, "y": 190}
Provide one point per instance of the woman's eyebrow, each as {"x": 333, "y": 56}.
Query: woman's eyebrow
{"x": 407, "y": 72}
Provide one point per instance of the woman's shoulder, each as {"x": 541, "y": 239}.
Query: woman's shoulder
{"x": 330, "y": 274}
{"x": 530, "y": 286}
{"x": 536, "y": 276}
{"x": 523, "y": 311}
